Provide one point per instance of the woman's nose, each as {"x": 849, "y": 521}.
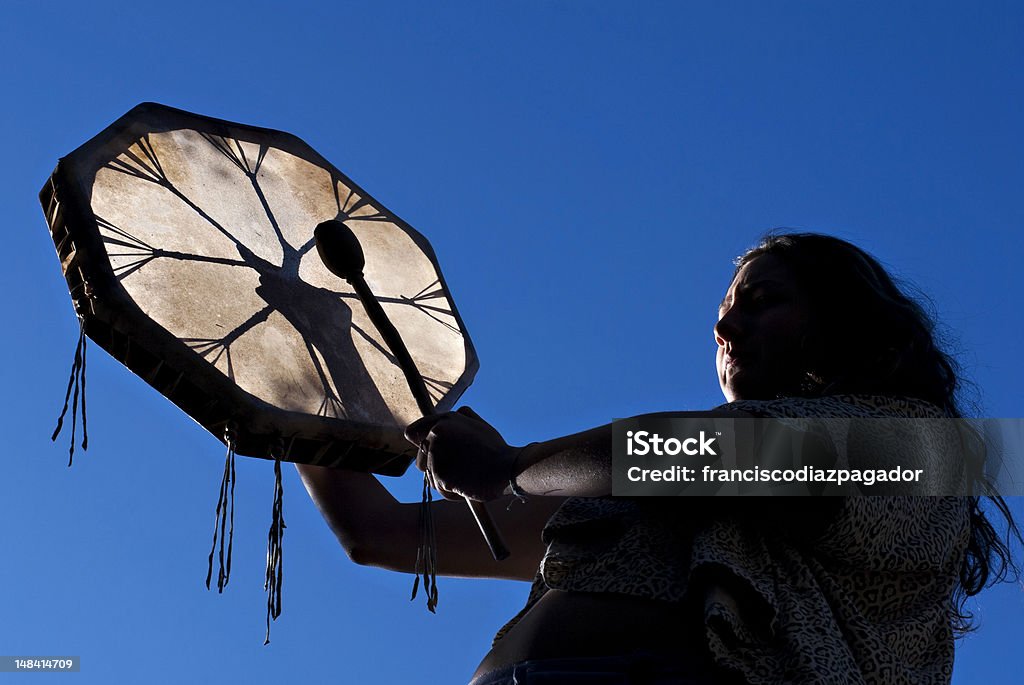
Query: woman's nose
{"x": 728, "y": 327}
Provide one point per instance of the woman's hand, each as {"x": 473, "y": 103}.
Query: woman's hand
{"x": 463, "y": 455}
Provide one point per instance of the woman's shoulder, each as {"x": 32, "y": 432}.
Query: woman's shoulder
{"x": 837, "y": 406}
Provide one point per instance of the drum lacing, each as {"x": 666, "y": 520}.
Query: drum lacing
{"x": 224, "y": 518}
{"x": 275, "y": 537}
{"x": 76, "y": 385}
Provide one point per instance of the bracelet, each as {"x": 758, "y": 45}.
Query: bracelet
{"x": 513, "y": 486}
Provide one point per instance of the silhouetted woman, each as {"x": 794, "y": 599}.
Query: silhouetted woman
{"x": 700, "y": 590}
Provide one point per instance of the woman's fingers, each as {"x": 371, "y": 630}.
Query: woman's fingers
{"x": 448, "y": 494}
{"x": 423, "y": 456}
{"x": 466, "y": 411}
{"x": 417, "y": 431}
{"x": 425, "y": 463}
{"x": 462, "y": 454}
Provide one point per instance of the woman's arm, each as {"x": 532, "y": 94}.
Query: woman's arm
{"x": 375, "y": 529}
{"x": 466, "y": 457}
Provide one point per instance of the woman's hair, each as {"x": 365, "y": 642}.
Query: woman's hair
{"x": 868, "y": 336}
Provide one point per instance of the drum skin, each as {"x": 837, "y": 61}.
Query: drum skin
{"x": 187, "y": 246}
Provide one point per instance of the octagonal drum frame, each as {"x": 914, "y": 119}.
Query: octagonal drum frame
{"x": 116, "y": 322}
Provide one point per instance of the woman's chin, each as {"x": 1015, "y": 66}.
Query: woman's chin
{"x": 743, "y": 386}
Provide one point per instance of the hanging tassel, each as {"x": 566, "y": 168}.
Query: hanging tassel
{"x": 224, "y": 519}
{"x": 426, "y": 555}
{"x": 76, "y": 385}
{"x": 275, "y": 560}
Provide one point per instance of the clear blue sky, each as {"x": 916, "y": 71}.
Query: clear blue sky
{"x": 585, "y": 172}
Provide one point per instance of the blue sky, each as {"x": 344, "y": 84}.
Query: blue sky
{"x": 585, "y": 173}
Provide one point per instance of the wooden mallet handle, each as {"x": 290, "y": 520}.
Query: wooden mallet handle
{"x": 343, "y": 256}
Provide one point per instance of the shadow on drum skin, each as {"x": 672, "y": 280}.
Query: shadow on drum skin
{"x": 320, "y": 316}
{"x": 324, "y": 321}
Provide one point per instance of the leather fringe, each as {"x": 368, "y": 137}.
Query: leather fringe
{"x": 426, "y": 554}
{"x": 224, "y": 518}
{"x": 76, "y": 387}
{"x": 275, "y": 552}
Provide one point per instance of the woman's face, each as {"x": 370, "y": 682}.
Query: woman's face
{"x": 761, "y": 325}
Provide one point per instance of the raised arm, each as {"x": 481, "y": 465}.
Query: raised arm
{"x": 468, "y": 458}
{"x": 465, "y": 456}
{"x": 375, "y": 529}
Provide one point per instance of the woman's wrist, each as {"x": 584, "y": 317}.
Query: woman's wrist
{"x": 517, "y": 466}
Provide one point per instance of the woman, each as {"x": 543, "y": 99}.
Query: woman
{"x": 696, "y": 590}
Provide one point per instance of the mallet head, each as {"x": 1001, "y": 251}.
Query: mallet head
{"x": 339, "y": 249}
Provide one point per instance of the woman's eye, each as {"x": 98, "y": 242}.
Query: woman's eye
{"x": 762, "y": 300}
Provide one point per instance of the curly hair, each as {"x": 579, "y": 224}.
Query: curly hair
{"x": 870, "y": 336}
